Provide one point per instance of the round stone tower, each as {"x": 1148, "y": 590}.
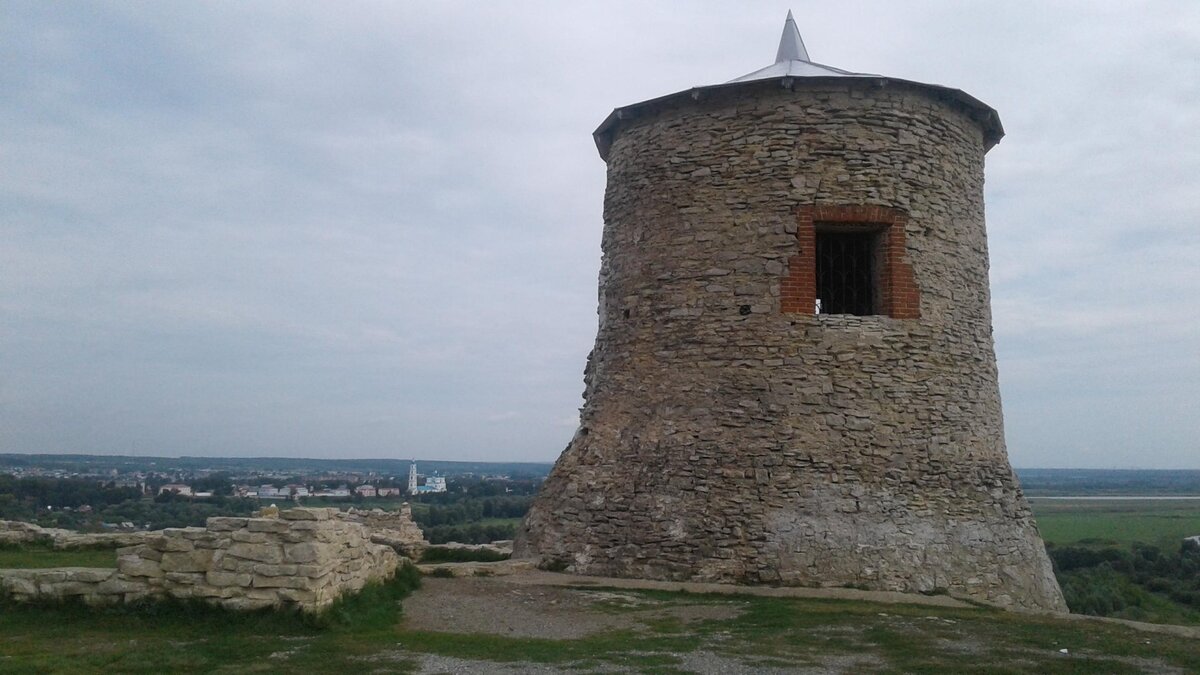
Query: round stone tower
{"x": 793, "y": 380}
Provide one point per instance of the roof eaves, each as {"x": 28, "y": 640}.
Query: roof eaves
{"x": 985, "y": 115}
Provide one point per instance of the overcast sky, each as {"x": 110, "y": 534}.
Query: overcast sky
{"x": 351, "y": 229}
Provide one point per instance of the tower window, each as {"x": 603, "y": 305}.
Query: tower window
{"x": 850, "y": 260}
{"x": 846, "y": 274}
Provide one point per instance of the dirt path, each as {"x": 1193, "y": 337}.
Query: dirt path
{"x": 540, "y": 578}
{"x": 520, "y": 607}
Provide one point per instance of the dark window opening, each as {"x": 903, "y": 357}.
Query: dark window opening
{"x": 846, "y": 272}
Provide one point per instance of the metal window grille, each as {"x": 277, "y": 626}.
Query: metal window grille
{"x": 846, "y": 273}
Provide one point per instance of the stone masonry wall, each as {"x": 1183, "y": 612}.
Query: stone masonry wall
{"x": 305, "y": 558}
{"x": 393, "y": 528}
{"x": 724, "y": 439}
{"x": 17, "y": 532}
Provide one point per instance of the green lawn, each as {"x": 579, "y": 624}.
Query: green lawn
{"x": 41, "y": 556}
{"x": 1164, "y": 523}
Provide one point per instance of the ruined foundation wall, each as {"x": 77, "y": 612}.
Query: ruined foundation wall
{"x": 18, "y": 532}
{"x": 306, "y": 558}
{"x": 723, "y": 439}
{"x": 393, "y": 528}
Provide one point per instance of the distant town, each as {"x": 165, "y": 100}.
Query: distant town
{"x": 473, "y": 502}
{"x": 266, "y": 478}
{"x": 367, "y": 486}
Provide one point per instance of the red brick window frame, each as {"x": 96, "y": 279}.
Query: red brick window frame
{"x": 896, "y": 291}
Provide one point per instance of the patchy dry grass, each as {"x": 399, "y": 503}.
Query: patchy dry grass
{"x": 660, "y": 632}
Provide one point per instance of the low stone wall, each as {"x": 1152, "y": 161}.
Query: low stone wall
{"x": 95, "y": 585}
{"x": 17, "y": 532}
{"x": 501, "y": 547}
{"x": 392, "y": 528}
{"x": 305, "y": 558}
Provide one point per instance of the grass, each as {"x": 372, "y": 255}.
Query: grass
{"x": 856, "y": 636}
{"x": 363, "y": 633}
{"x": 40, "y": 556}
{"x": 1163, "y": 523}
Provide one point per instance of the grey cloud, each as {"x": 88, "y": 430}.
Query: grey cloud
{"x": 373, "y": 229}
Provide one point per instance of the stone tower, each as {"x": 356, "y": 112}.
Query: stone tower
{"x": 793, "y": 380}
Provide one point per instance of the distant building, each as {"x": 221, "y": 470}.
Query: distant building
{"x": 336, "y": 493}
{"x": 176, "y": 488}
{"x": 388, "y": 491}
{"x": 431, "y": 483}
{"x": 1195, "y": 540}
{"x": 365, "y": 491}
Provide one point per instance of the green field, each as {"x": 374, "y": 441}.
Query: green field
{"x": 1160, "y": 522}
{"x": 32, "y": 556}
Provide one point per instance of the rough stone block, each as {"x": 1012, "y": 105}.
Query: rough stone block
{"x": 122, "y": 586}
{"x": 262, "y": 581}
{"x": 267, "y": 553}
{"x": 244, "y": 604}
{"x": 225, "y": 523}
{"x": 171, "y": 542}
{"x": 88, "y": 574}
{"x": 175, "y": 580}
{"x": 16, "y": 585}
{"x": 221, "y": 578}
{"x": 275, "y": 570}
{"x": 272, "y": 525}
{"x": 187, "y": 561}
{"x": 304, "y": 553}
{"x": 303, "y": 513}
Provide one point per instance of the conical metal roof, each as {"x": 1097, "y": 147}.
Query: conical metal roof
{"x": 791, "y": 60}
{"x": 791, "y": 45}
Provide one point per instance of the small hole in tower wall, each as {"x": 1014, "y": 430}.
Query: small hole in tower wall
{"x": 626, "y": 314}
{"x": 744, "y": 310}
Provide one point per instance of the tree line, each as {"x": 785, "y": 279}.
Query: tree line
{"x": 1139, "y": 582}
{"x": 29, "y": 495}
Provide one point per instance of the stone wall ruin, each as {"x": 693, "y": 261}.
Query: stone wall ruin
{"x": 306, "y": 558}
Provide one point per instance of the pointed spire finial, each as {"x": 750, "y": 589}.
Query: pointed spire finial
{"x": 791, "y": 46}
